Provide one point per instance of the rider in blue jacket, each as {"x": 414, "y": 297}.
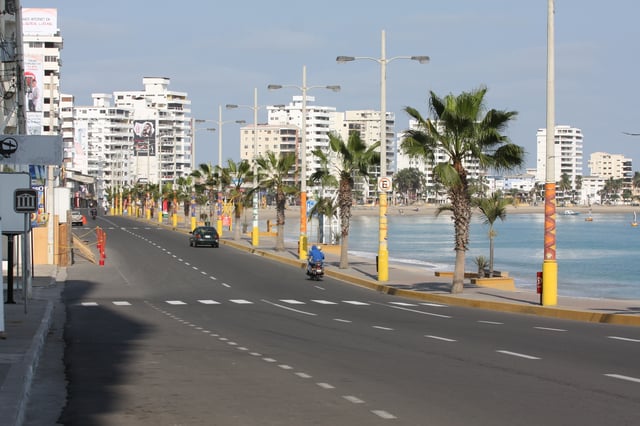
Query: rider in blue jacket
{"x": 315, "y": 255}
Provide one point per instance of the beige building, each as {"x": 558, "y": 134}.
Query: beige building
{"x": 607, "y": 165}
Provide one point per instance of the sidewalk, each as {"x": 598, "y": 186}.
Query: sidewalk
{"x": 24, "y": 338}
{"x": 25, "y": 333}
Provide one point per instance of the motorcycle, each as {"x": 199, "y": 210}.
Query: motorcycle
{"x": 315, "y": 271}
{"x": 94, "y": 214}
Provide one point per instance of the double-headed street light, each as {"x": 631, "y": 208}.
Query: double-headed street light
{"x": 255, "y": 233}
{"x": 383, "y": 183}
{"x": 302, "y": 244}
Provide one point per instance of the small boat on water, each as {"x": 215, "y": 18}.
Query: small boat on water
{"x": 589, "y": 218}
{"x": 635, "y": 220}
{"x": 570, "y": 213}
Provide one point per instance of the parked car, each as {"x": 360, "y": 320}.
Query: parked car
{"x": 204, "y": 236}
{"x": 77, "y": 218}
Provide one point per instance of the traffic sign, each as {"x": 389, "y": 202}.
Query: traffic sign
{"x": 384, "y": 184}
{"x": 25, "y": 200}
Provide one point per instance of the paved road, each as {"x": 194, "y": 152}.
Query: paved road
{"x": 168, "y": 334}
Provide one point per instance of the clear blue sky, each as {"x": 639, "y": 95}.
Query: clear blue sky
{"x": 218, "y": 52}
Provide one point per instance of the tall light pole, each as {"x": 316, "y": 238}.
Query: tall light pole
{"x": 219, "y": 197}
{"x": 383, "y": 252}
{"x": 255, "y": 234}
{"x": 302, "y": 244}
{"x": 549, "y": 264}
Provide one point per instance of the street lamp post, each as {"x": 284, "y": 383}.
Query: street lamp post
{"x": 549, "y": 263}
{"x": 219, "y": 197}
{"x": 302, "y": 244}
{"x": 383, "y": 252}
{"x": 255, "y": 234}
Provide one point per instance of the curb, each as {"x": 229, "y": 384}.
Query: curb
{"x": 545, "y": 311}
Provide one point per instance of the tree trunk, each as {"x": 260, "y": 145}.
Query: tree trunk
{"x": 491, "y": 256}
{"x": 236, "y": 225}
{"x": 280, "y": 238}
{"x": 458, "y": 273}
{"x": 344, "y": 255}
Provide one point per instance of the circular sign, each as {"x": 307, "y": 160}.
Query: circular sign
{"x": 384, "y": 184}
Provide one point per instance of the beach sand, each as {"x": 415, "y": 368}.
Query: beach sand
{"x": 292, "y": 212}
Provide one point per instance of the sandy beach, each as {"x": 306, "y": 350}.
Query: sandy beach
{"x": 429, "y": 209}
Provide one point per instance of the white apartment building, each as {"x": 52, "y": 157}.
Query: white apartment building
{"x": 319, "y": 121}
{"x": 103, "y": 144}
{"x": 162, "y": 133}
{"x": 615, "y": 166}
{"x": 567, "y": 155}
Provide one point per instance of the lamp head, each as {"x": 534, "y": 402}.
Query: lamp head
{"x": 421, "y": 59}
{"x": 341, "y": 59}
{"x": 274, "y": 86}
{"x": 231, "y": 106}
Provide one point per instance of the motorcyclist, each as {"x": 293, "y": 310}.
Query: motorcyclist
{"x": 315, "y": 255}
{"x": 94, "y": 212}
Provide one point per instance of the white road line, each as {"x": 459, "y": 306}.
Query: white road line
{"x": 209, "y": 302}
{"x": 419, "y": 312}
{"x": 175, "y": 302}
{"x": 324, "y": 302}
{"x": 187, "y": 263}
{"x": 518, "y": 354}
{"x": 242, "y": 348}
{"x": 195, "y": 268}
{"x": 303, "y": 375}
{"x": 353, "y": 399}
{"x": 203, "y": 272}
{"x": 269, "y": 359}
{"x": 289, "y": 309}
{"x": 226, "y": 285}
{"x": 222, "y": 339}
{"x": 212, "y": 277}
{"x": 325, "y": 385}
{"x": 341, "y": 320}
{"x": 292, "y": 301}
{"x": 403, "y": 304}
{"x": 285, "y": 367}
{"x": 232, "y": 344}
{"x": 89, "y": 304}
{"x": 379, "y": 327}
{"x": 626, "y": 339}
{"x": 621, "y": 377}
{"x": 241, "y": 301}
{"x": 355, "y": 302}
{"x": 444, "y": 339}
{"x": 121, "y": 303}
{"x": 435, "y": 305}
{"x": 255, "y": 354}
{"x": 549, "y": 329}
{"x": 384, "y": 414}
{"x": 490, "y": 322}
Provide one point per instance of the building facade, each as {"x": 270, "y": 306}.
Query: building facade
{"x": 567, "y": 155}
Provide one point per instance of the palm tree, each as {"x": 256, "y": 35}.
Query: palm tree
{"x": 564, "y": 185}
{"x": 464, "y": 134}
{"x": 274, "y": 172}
{"x": 353, "y": 159}
{"x": 206, "y": 183}
{"x": 492, "y": 208}
{"x": 325, "y": 206}
{"x": 235, "y": 175}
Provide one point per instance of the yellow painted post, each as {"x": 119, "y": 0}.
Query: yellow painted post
{"x": 193, "y": 223}
{"x": 383, "y": 252}
{"x": 174, "y": 220}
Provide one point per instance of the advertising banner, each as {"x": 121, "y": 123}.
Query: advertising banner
{"x": 144, "y": 138}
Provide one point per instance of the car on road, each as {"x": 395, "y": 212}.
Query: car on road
{"x": 77, "y": 218}
{"x": 204, "y": 236}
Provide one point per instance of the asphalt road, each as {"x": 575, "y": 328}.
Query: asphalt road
{"x": 166, "y": 334}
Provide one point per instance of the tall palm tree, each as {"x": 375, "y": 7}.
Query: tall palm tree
{"x": 274, "y": 173}
{"x": 564, "y": 185}
{"x": 353, "y": 159}
{"x": 235, "y": 175}
{"x": 492, "y": 208}
{"x": 206, "y": 182}
{"x": 324, "y": 206}
{"x": 460, "y": 129}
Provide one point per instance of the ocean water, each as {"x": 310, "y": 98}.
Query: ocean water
{"x": 598, "y": 259}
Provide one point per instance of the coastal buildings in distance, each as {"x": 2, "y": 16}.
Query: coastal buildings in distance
{"x": 148, "y": 135}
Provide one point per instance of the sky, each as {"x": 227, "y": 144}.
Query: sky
{"x": 218, "y": 52}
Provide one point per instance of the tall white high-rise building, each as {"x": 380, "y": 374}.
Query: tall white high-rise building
{"x": 319, "y": 123}
{"x": 567, "y": 155}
